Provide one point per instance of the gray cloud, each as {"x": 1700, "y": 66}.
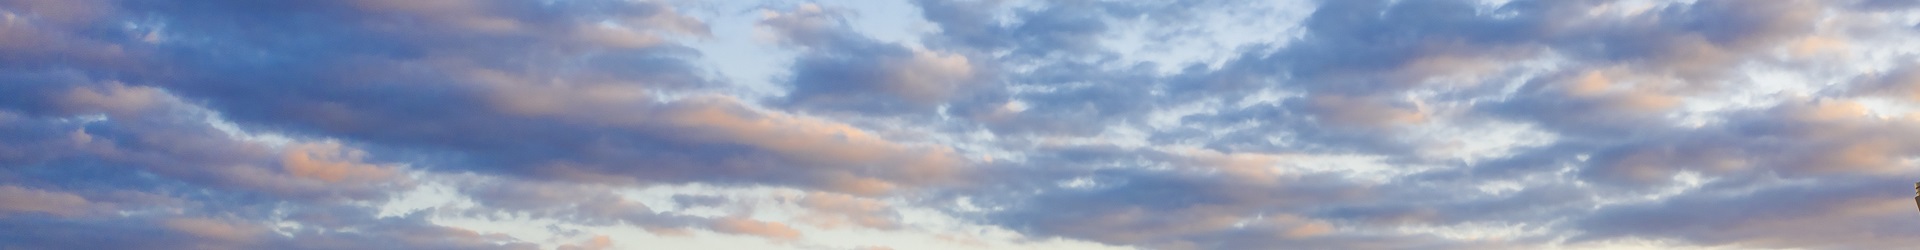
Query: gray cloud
{"x": 1379, "y": 124}
{"x": 845, "y": 70}
{"x": 1359, "y": 60}
{"x": 216, "y": 233}
{"x": 424, "y": 78}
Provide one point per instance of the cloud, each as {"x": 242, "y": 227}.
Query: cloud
{"x": 844, "y": 70}
{"x": 418, "y": 87}
{"x": 1218, "y": 124}
{"x": 597, "y": 243}
{"x": 329, "y": 162}
{"x": 832, "y": 210}
{"x": 218, "y": 233}
{"x": 215, "y": 230}
{"x": 153, "y": 132}
{"x": 1347, "y": 111}
{"x": 1901, "y": 82}
{"x": 1855, "y": 214}
{"x": 769, "y": 230}
{"x": 17, "y": 200}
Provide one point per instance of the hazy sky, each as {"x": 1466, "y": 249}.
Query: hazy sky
{"x": 959, "y": 124}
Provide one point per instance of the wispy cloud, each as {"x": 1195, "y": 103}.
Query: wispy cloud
{"x": 958, "y": 124}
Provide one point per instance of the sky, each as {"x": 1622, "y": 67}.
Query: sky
{"x": 959, "y": 124}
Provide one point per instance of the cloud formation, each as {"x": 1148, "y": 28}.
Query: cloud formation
{"x": 958, "y": 124}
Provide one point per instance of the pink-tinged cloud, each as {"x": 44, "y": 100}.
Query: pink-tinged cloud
{"x": 19, "y": 201}
{"x": 764, "y": 229}
{"x": 1354, "y": 124}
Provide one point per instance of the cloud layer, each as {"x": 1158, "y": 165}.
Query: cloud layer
{"x": 958, "y": 124}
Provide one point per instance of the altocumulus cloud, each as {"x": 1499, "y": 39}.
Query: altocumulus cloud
{"x": 958, "y": 124}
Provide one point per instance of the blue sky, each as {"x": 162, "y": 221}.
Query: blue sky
{"x": 959, "y": 124}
